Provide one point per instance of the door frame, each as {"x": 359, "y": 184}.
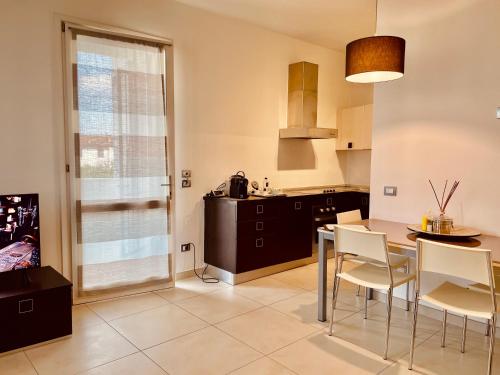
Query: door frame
{"x": 68, "y": 203}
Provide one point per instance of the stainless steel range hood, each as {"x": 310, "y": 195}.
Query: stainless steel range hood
{"x": 303, "y": 104}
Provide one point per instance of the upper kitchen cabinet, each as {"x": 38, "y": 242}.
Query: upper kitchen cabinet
{"x": 355, "y": 128}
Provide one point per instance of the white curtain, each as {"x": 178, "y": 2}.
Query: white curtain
{"x": 120, "y": 170}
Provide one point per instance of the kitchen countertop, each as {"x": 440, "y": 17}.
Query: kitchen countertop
{"x": 316, "y": 190}
{"x": 337, "y": 188}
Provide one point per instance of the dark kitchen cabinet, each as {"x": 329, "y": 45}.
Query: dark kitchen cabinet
{"x": 295, "y": 225}
{"x": 246, "y": 234}
{"x": 243, "y": 235}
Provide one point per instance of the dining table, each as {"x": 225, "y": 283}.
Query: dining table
{"x": 399, "y": 237}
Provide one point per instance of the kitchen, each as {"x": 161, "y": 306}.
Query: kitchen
{"x": 256, "y": 92}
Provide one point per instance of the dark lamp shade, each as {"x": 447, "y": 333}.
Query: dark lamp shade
{"x": 375, "y": 59}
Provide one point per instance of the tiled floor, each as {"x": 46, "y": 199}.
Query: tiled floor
{"x": 266, "y": 326}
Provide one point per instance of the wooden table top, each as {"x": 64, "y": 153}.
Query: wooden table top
{"x": 398, "y": 234}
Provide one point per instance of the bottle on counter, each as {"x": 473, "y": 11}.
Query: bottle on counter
{"x": 424, "y": 222}
{"x": 430, "y": 219}
{"x": 427, "y": 219}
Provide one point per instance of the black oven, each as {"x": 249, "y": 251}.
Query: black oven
{"x": 322, "y": 215}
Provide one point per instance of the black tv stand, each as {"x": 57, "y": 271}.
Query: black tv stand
{"x": 35, "y": 305}
{"x": 26, "y": 277}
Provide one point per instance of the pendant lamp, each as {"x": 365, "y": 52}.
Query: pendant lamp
{"x": 375, "y": 59}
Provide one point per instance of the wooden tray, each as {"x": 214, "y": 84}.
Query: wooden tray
{"x": 456, "y": 231}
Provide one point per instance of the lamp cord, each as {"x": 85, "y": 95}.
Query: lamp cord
{"x": 207, "y": 280}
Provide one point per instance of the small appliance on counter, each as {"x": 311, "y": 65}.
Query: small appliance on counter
{"x": 266, "y": 190}
{"x": 238, "y": 186}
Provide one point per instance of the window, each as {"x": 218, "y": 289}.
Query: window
{"x": 117, "y": 92}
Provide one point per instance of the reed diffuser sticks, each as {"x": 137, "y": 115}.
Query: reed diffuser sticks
{"x": 444, "y": 202}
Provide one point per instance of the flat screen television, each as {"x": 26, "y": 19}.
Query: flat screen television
{"x": 19, "y": 232}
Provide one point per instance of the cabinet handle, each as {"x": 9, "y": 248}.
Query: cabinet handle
{"x": 260, "y": 209}
{"x": 259, "y": 242}
{"x": 259, "y": 225}
{"x": 298, "y": 205}
{"x": 26, "y": 306}
{"x": 329, "y": 201}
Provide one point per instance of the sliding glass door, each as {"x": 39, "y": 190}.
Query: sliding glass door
{"x": 119, "y": 164}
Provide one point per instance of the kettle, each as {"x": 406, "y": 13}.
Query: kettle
{"x": 238, "y": 186}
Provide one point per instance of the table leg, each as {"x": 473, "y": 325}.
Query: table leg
{"x": 322, "y": 273}
{"x": 369, "y": 293}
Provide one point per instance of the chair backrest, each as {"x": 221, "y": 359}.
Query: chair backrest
{"x": 372, "y": 245}
{"x": 348, "y": 216}
{"x": 463, "y": 262}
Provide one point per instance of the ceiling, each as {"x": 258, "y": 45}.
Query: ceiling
{"x": 329, "y": 23}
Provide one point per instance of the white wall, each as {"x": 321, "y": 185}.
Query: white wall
{"x": 230, "y": 101}
{"x": 356, "y": 166}
{"x": 438, "y": 121}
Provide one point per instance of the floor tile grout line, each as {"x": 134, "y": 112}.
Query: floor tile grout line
{"x": 183, "y": 299}
{"x": 407, "y": 353}
{"x": 109, "y": 299}
{"x": 316, "y": 330}
{"x": 351, "y": 313}
{"x": 324, "y": 328}
{"x": 156, "y": 363}
{"x": 198, "y": 294}
{"x": 169, "y": 303}
{"x": 30, "y": 361}
{"x": 174, "y": 338}
{"x": 281, "y": 364}
{"x": 246, "y": 298}
{"x": 224, "y": 320}
{"x": 258, "y": 359}
{"x": 246, "y": 364}
{"x": 295, "y": 341}
{"x": 109, "y": 362}
{"x": 122, "y": 335}
{"x": 239, "y": 340}
{"x": 268, "y": 304}
{"x": 134, "y": 313}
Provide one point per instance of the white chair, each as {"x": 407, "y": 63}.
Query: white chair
{"x": 485, "y": 289}
{"x": 395, "y": 260}
{"x": 466, "y": 263}
{"x": 373, "y": 246}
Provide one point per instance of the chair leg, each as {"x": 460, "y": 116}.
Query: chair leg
{"x": 492, "y": 342}
{"x": 487, "y": 332}
{"x": 407, "y": 269}
{"x": 389, "y": 311}
{"x": 413, "y": 331}
{"x": 358, "y": 290}
{"x": 366, "y": 303}
{"x": 464, "y": 333}
{"x": 336, "y": 283}
{"x": 443, "y": 333}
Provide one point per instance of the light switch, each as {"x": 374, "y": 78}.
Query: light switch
{"x": 390, "y": 190}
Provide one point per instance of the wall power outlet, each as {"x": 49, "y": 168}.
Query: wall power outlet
{"x": 185, "y": 247}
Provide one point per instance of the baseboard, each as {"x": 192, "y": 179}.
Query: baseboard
{"x": 38, "y": 344}
{"x": 187, "y": 274}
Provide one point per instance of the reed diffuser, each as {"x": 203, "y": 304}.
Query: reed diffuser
{"x": 443, "y": 224}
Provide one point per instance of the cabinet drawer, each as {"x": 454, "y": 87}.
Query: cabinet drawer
{"x": 253, "y": 210}
{"x": 37, "y": 317}
{"x": 257, "y": 252}
{"x": 297, "y": 207}
{"x": 258, "y": 227}
{"x": 326, "y": 200}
